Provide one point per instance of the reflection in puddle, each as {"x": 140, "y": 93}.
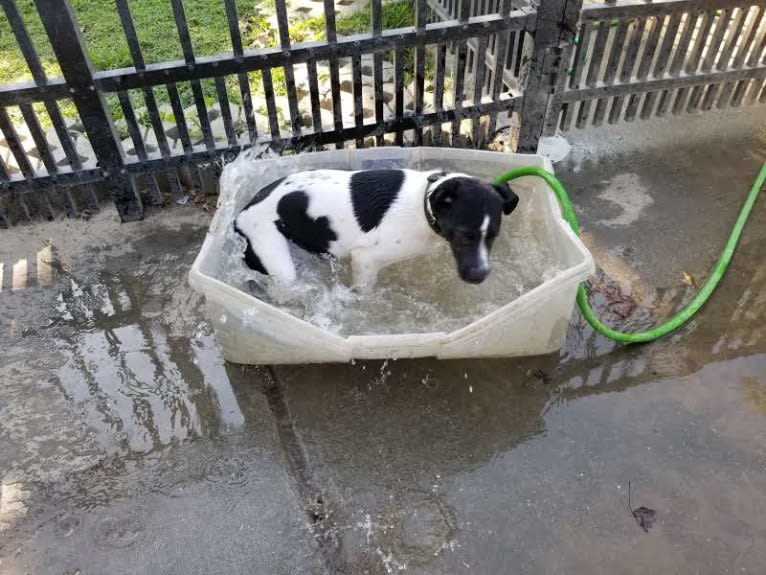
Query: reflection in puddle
{"x": 139, "y": 387}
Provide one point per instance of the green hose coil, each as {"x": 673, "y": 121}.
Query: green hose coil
{"x": 694, "y": 306}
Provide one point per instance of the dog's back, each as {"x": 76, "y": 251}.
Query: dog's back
{"x": 334, "y": 212}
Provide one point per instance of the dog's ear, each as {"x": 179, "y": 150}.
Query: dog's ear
{"x": 442, "y": 197}
{"x": 510, "y": 199}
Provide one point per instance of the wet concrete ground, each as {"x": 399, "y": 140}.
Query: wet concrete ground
{"x": 127, "y": 444}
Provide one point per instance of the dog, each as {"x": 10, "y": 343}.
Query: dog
{"x": 376, "y": 217}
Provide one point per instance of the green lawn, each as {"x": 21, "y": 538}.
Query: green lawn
{"x": 159, "y": 42}
{"x": 106, "y": 42}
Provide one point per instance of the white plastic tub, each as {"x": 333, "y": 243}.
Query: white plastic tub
{"x": 251, "y": 331}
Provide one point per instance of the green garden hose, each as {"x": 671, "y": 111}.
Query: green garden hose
{"x": 688, "y": 312}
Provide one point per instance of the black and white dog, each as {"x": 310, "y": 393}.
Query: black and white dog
{"x": 377, "y": 217}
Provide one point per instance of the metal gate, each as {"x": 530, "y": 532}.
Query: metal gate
{"x": 636, "y": 59}
{"x": 156, "y": 162}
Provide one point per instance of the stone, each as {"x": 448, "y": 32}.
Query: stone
{"x": 218, "y": 129}
{"x": 328, "y": 120}
{"x": 8, "y": 159}
{"x": 85, "y": 151}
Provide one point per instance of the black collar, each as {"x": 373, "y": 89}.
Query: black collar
{"x": 428, "y": 208}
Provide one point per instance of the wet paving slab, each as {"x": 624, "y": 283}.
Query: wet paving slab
{"x": 128, "y": 445}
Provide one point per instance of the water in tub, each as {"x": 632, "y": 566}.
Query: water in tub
{"x": 417, "y": 296}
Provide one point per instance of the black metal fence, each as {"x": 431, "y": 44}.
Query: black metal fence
{"x": 635, "y": 59}
{"x": 455, "y": 75}
{"x": 436, "y": 97}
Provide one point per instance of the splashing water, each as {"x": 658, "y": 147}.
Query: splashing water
{"x": 417, "y": 296}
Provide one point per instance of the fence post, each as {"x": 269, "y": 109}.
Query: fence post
{"x": 555, "y": 30}
{"x": 68, "y": 45}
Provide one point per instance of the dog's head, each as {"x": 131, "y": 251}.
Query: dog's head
{"x": 468, "y": 213}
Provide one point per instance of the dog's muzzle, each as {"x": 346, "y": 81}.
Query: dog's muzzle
{"x": 474, "y": 274}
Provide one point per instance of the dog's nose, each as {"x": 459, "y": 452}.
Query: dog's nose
{"x": 474, "y": 275}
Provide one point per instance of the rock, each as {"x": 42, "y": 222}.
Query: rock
{"x": 328, "y": 120}
{"x": 85, "y": 151}
{"x": 218, "y": 129}
{"x": 8, "y": 160}
{"x": 74, "y": 125}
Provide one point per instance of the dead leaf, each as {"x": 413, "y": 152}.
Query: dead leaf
{"x": 542, "y": 376}
{"x": 644, "y": 517}
{"x": 688, "y": 280}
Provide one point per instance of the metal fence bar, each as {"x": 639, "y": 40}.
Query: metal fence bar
{"x": 133, "y": 129}
{"x": 686, "y": 81}
{"x": 244, "y": 82}
{"x": 183, "y": 134}
{"x": 136, "y": 56}
{"x": 14, "y": 144}
{"x": 684, "y": 44}
{"x": 223, "y": 102}
{"x": 4, "y": 176}
{"x": 556, "y": 23}
{"x": 464, "y": 14}
{"x": 66, "y": 40}
{"x": 138, "y": 62}
{"x": 627, "y": 9}
{"x": 441, "y": 68}
{"x": 757, "y": 23}
{"x": 30, "y": 118}
{"x": 376, "y": 18}
{"x": 714, "y": 43}
{"x": 646, "y": 62}
{"x": 188, "y": 50}
{"x": 735, "y": 33}
{"x": 43, "y": 148}
{"x": 420, "y": 65}
{"x": 356, "y": 80}
{"x": 628, "y": 65}
{"x": 284, "y": 41}
{"x": 399, "y": 92}
{"x": 271, "y": 105}
{"x": 663, "y": 59}
{"x": 693, "y": 61}
{"x": 578, "y": 67}
{"x": 316, "y": 110}
{"x": 211, "y": 66}
{"x": 754, "y": 51}
{"x": 332, "y": 39}
{"x": 500, "y": 48}
{"x": 180, "y": 117}
{"x": 73, "y": 158}
{"x": 199, "y": 154}
{"x": 758, "y": 47}
{"x": 478, "y": 88}
{"x": 611, "y": 70}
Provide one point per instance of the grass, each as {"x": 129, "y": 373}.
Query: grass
{"x": 158, "y": 37}
{"x": 396, "y": 14}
